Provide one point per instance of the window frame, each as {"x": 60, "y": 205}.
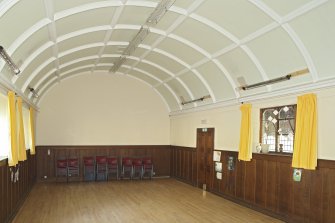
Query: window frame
{"x": 278, "y": 108}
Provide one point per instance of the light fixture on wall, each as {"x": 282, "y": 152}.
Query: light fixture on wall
{"x": 9, "y": 60}
{"x": 34, "y": 93}
{"x": 275, "y": 80}
{"x": 153, "y": 19}
{"x": 183, "y": 102}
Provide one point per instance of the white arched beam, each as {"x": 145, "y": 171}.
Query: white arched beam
{"x": 48, "y": 86}
{"x": 38, "y": 85}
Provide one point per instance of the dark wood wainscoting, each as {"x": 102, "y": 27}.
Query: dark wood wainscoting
{"x": 266, "y": 184}
{"x": 184, "y": 164}
{"x": 47, "y": 156}
{"x": 12, "y": 194}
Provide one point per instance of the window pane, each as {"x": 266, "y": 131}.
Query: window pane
{"x": 287, "y": 112}
{"x": 268, "y": 114}
{"x": 4, "y": 127}
{"x": 287, "y": 141}
{"x": 286, "y": 127}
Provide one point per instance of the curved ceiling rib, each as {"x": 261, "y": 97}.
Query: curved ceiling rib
{"x": 32, "y": 76}
{"x": 54, "y": 81}
{"x": 284, "y": 24}
{"x": 81, "y": 9}
{"x": 93, "y": 57}
{"x": 6, "y": 5}
{"x": 196, "y": 48}
{"x": 80, "y": 32}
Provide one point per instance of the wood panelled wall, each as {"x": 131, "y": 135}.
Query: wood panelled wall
{"x": 47, "y": 156}
{"x": 266, "y": 184}
{"x": 12, "y": 194}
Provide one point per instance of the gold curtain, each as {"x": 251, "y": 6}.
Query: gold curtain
{"x": 32, "y": 130}
{"x": 13, "y": 157}
{"x": 22, "y": 145}
{"x": 245, "y": 133}
{"x": 305, "y": 140}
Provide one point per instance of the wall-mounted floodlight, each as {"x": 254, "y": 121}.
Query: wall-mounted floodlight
{"x": 33, "y": 91}
{"x": 275, "y": 80}
{"x": 9, "y": 60}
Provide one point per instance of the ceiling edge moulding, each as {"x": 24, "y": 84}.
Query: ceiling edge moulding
{"x": 153, "y": 19}
{"x": 9, "y": 61}
{"x": 273, "y": 81}
{"x": 280, "y": 93}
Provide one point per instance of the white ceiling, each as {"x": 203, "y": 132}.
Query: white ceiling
{"x": 199, "y": 47}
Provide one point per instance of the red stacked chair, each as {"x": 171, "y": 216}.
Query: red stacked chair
{"x": 127, "y": 168}
{"x": 148, "y": 167}
{"x": 112, "y": 167}
{"x": 61, "y": 168}
{"x": 72, "y": 167}
{"x": 101, "y": 168}
{"x": 89, "y": 168}
{"x": 137, "y": 168}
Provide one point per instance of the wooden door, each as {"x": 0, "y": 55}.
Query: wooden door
{"x": 205, "y": 147}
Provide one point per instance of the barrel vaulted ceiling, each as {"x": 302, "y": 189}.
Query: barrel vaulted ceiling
{"x": 198, "y": 48}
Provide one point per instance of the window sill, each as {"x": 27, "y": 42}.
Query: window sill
{"x": 273, "y": 156}
{"x": 276, "y": 154}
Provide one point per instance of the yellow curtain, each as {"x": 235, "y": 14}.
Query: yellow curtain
{"x": 13, "y": 157}
{"x": 22, "y": 143}
{"x": 305, "y": 140}
{"x": 32, "y": 130}
{"x": 245, "y": 133}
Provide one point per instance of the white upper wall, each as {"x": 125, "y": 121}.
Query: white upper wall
{"x": 102, "y": 109}
{"x": 226, "y": 122}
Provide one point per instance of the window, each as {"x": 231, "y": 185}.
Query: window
{"x": 4, "y": 127}
{"x": 278, "y": 128}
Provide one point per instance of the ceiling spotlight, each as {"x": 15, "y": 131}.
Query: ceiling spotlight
{"x": 9, "y": 61}
{"x": 34, "y": 93}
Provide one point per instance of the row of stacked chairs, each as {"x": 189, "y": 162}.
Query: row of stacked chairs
{"x": 100, "y": 168}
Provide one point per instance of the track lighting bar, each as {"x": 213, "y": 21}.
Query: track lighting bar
{"x": 133, "y": 44}
{"x": 9, "y": 60}
{"x": 195, "y": 100}
{"x": 159, "y": 11}
{"x": 275, "y": 80}
{"x": 153, "y": 19}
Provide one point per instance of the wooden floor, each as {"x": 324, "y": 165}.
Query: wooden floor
{"x": 164, "y": 200}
